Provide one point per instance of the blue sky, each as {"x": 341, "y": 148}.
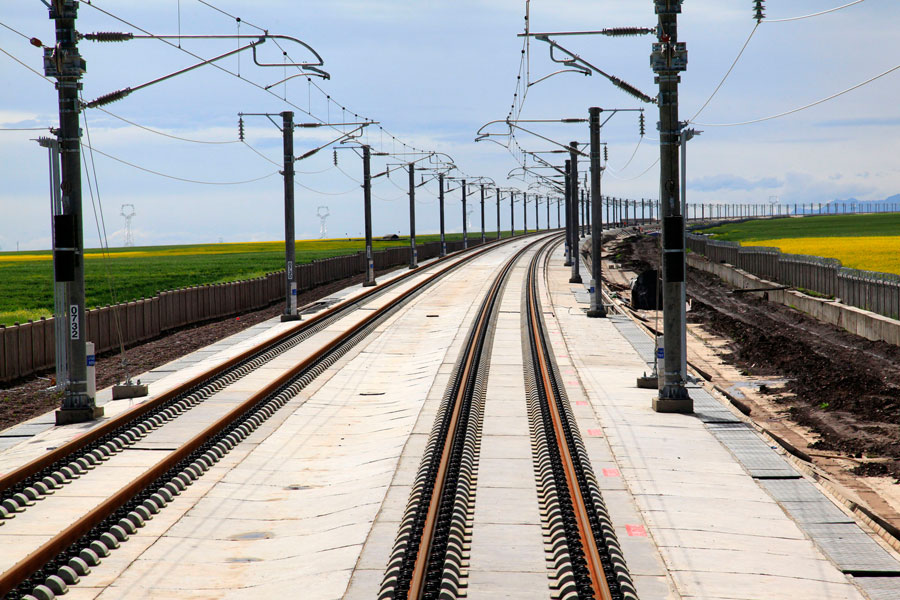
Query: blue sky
{"x": 432, "y": 72}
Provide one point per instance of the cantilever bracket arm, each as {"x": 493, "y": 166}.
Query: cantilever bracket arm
{"x": 546, "y": 139}
{"x": 304, "y": 65}
{"x": 119, "y": 94}
{"x": 574, "y": 69}
{"x": 106, "y": 36}
{"x": 481, "y": 134}
{"x": 573, "y": 60}
{"x": 312, "y": 67}
{"x": 340, "y": 139}
{"x": 309, "y": 72}
{"x": 487, "y": 138}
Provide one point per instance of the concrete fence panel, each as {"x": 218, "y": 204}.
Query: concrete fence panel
{"x": 26, "y": 360}
{"x": 47, "y": 342}
{"x": 11, "y": 351}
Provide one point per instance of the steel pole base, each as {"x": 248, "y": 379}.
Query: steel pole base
{"x": 568, "y": 263}
{"x": 575, "y": 278}
{"x": 369, "y": 283}
{"x": 67, "y": 416}
{"x": 648, "y": 382}
{"x": 129, "y": 390}
{"x": 673, "y": 399}
{"x": 289, "y": 317}
{"x": 597, "y": 313}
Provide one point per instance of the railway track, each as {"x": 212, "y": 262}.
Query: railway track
{"x": 62, "y": 558}
{"x": 586, "y": 557}
{"x": 430, "y": 556}
{"x": 427, "y": 558}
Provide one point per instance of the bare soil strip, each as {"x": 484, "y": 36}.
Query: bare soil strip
{"x": 841, "y": 392}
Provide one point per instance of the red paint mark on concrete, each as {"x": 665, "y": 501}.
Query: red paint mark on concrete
{"x": 611, "y": 473}
{"x": 571, "y": 383}
{"x": 580, "y": 403}
{"x": 636, "y": 530}
{"x": 595, "y": 432}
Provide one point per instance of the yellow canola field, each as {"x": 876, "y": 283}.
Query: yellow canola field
{"x": 136, "y": 253}
{"x": 233, "y": 248}
{"x": 878, "y": 253}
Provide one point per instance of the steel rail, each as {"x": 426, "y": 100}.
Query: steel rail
{"x": 423, "y": 557}
{"x": 428, "y": 559}
{"x": 34, "y": 562}
{"x": 464, "y": 381}
{"x": 32, "y": 468}
{"x": 595, "y": 569}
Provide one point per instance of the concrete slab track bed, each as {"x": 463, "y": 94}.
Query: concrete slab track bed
{"x": 311, "y": 500}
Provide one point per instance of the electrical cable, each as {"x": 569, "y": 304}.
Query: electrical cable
{"x": 315, "y": 191}
{"x": 329, "y": 99}
{"x": 798, "y": 109}
{"x": 727, "y": 73}
{"x": 198, "y": 57}
{"x": 162, "y": 133}
{"x": 152, "y": 172}
{"x": 633, "y": 154}
{"x": 260, "y": 154}
{"x": 25, "y": 128}
{"x": 39, "y": 74}
{"x": 16, "y": 31}
{"x": 824, "y": 12}
{"x": 325, "y": 170}
{"x": 348, "y": 175}
{"x": 221, "y": 68}
{"x": 644, "y": 172}
{"x": 104, "y": 240}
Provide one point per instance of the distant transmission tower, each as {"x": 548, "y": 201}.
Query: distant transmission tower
{"x": 323, "y": 213}
{"x": 128, "y": 212}
{"x": 469, "y": 210}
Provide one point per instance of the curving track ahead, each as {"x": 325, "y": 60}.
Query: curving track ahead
{"x": 430, "y": 556}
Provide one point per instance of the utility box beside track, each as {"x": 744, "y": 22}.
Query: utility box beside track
{"x": 645, "y": 292}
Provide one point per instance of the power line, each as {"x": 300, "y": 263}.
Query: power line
{"x": 16, "y": 31}
{"x": 237, "y": 75}
{"x": 39, "y": 74}
{"x": 197, "y": 56}
{"x": 164, "y": 134}
{"x": 348, "y": 175}
{"x": 167, "y": 176}
{"x": 315, "y": 191}
{"x": 644, "y": 172}
{"x": 100, "y": 222}
{"x": 261, "y": 155}
{"x": 633, "y": 154}
{"x": 824, "y": 12}
{"x": 798, "y": 109}
{"x": 325, "y": 170}
{"x": 731, "y": 68}
{"x": 310, "y": 82}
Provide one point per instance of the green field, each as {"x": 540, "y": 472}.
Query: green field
{"x": 26, "y": 278}
{"x": 869, "y": 225}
